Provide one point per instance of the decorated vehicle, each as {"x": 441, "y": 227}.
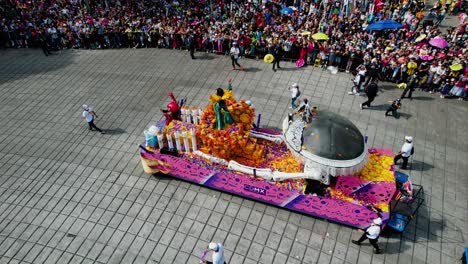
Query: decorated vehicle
{"x": 319, "y": 165}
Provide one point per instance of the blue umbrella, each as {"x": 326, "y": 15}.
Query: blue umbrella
{"x": 287, "y": 11}
{"x": 384, "y": 24}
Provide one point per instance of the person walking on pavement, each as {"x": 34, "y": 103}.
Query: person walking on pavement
{"x": 218, "y": 254}
{"x": 89, "y": 116}
{"x": 295, "y": 93}
{"x": 43, "y": 43}
{"x": 410, "y": 85}
{"x": 191, "y": 45}
{"x": 371, "y": 92}
{"x": 372, "y": 72}
{"x": 372, "y": 233}
{"x": 235, "y": 56}
{"x": 276, "y": 52}
{"x": 406, "y": 151}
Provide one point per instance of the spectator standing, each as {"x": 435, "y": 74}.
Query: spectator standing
{"x": 89, "y": 116}
{"x": 406, "y": 151}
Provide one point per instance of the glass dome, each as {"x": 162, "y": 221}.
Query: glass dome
{"x": 331, "y": 136}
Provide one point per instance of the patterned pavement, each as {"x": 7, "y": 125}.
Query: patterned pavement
{"x": 69, "y": 195}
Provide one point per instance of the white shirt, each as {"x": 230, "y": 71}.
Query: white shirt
{"x": 406, "y": 149}
{"x": 373, "y": 231}
{"x": 294, "y": 92}
{"x": 235, "y": 52}
{"x": 87, "y": 115}
{"x": 218, "y": 256}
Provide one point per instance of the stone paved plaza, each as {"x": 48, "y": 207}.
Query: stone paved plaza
{"x": 69, "y": 195}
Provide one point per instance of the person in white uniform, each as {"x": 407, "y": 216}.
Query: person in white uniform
{"x": 372, "y": 233}
{"x": 218, "y": 253}
{"x": 406, "y": 151}
{"x": 295, "y": 93}
{"x": 89, "y": 116}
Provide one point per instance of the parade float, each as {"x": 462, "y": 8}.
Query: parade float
{"x": 318, "y": 165}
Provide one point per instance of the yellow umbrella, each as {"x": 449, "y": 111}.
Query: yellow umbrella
{"x": 320, "y": 36}
{"x": 305, "y": 33}
{"x": 456, "y": 67}
{"x": 268, "y": 58}
{"x": 421, "y": 37}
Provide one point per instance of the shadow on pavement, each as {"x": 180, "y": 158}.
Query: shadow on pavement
{"x": 23, "y": 63}
{"x": 252, "y": 69}
{"x": 162, "y": 177}
{"x": 205, "y": 56}
{"x": 292, "y": 69}
{"x": 423, "y": 98}
{"x": 114, "y": 131}
{"x": 420, "y": 165}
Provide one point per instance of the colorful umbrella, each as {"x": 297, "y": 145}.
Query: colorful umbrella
{"x": 305, "y": 33}
{"x": 426, "y": 57}
{"x": 384, "y": 24}
{"x": 438, "y": 43}
{"x": 287, "y": 11}
{"x": 300, "y": 63}
{"x": 421, "y": 37}
{"x": 456, "y": 67}
{"x": 268, "y": 58}
{"x": 320, "y": 36}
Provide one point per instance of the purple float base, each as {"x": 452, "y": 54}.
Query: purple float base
{"x": 193, "y": 169}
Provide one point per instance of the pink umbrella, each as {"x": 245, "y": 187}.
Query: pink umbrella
{"x": 426, "y": 57}
{"x": 194, "y": 23}
{"x": 300, "y": 63}
{"x": 438, "y": 43}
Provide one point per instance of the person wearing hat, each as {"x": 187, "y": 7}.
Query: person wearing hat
{"x": 235, "y": 56}
{"x": 372, "y": 233}
{"x": 89, "y": 116}
{"x": 406, "y": 151}
{"x": 396, "y": 104}
{"x": 218, "y": 253}
{"x": 295, "y": 93}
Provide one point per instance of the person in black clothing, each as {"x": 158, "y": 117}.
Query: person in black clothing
{"x": 412, "y": 80}
{"x": 371, "y": 92}
{"x": 373, "y": 72}
{"x": 396, "y": 104}
{"x": 276, "y": 52}
{"x": 191, "y": 45}
{"x": 43, "y": 43}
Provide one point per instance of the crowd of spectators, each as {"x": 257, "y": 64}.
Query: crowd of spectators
{"x": 258, "y": 27}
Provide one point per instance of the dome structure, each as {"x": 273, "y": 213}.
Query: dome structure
{"x": 330, "y": 143}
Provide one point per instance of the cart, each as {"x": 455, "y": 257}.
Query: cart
{"x": 407, "y": 202}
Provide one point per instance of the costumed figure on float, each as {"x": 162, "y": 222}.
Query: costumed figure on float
{"x": 318, "y": 165}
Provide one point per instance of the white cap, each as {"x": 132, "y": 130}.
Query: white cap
{"x": 213, "y": 246}
{"x": 295, "y": 85}
{"x": 408, "y": 138}
{"x": 377, "y": 221}
{"x": 85, "y": 107}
